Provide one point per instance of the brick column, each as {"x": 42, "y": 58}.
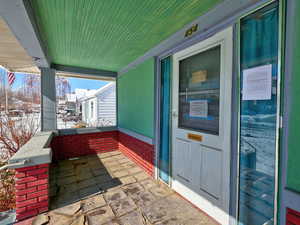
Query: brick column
{"x": 32, "y": 191}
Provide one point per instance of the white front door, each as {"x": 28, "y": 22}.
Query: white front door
{"x": 201, "y": 119}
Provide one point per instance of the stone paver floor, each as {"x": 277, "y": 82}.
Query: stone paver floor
{"x": 110, "y": 189}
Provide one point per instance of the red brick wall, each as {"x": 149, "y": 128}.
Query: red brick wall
{"x": 292, "y": 217}
{"x": 31, "y": 191}
{"x": 32, "y": 182}
{"x": 140, "y": 152}
{"x": 69, "y": 146}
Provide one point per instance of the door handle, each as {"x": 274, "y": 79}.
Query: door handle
{"x": 174, "y": 113}
{"x": 186, "y": 95}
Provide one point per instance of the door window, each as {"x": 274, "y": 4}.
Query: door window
{"x": 199, "y": 91}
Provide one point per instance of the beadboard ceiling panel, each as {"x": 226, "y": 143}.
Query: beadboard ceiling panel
{"x": 109, "y": 34}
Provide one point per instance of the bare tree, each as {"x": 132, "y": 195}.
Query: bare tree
{"x": 31, "y": 87}
{"x": 14, "y": 133}
{"x": 63, "y": 87}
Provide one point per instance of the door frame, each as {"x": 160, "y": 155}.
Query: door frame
{"x": 225, "y": 38}
{"x": 202, "y": 35}
{"x": 280, "y": 99}
{"x": 158, "y": 98}
{"x": 157, "y": 122}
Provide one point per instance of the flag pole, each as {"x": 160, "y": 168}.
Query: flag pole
{"x": 6, "y": 93}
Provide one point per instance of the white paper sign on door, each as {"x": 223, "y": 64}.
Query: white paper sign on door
{"x": 198, "y": 108}
{"x": 257, "y": 83}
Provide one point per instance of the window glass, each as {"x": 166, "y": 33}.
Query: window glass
{"x": 199, "y": 91}
{"x": 259, "y": 48}
{"x": 85, "y": 103}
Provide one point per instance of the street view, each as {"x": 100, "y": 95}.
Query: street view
{"x": 80, "y": 103}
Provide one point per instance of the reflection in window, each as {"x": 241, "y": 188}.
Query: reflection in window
{"x": 199, "y": 91}
{"x": 259, "y": 46}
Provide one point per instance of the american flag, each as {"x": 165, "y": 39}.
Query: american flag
{"x": 11, "y": 78}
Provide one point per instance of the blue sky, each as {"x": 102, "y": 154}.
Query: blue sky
{"x": 74, "y": 82}
{"x": 85, "y": 83}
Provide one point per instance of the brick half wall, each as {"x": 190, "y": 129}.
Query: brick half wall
{"x": 32, "y": 183}
{"x": 140, "y": 152}
{"x": 32, "y": 191}
{"x": 292, "y": 217}
{"x": 75, "y": 145}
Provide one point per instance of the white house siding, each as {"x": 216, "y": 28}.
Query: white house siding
{"x": 85, "y": 110}
{"x": 104, "y": 109}
{"x": 89, "y": 116}
{"x": 107, "y": 106}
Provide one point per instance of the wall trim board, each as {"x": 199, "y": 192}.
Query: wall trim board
{"x": 222, "y": 15}
{"x": 86, "y": 130}
{"x": 137, "y": 136}
{"x": 92, "y": 130}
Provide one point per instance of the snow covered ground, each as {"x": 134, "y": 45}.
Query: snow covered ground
{"x": 65, "y": 125}
{"x": 259, "y": 135}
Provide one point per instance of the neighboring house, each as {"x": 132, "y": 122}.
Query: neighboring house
{"x": 99, "y": 108}
{"x": 70, "y": 104}
{"x": 89, "y": 113}
{"x": 80, "y": 95}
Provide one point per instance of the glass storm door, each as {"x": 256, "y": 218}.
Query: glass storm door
{"x": 201, "y": 115}
{"x": 258, "y": 116}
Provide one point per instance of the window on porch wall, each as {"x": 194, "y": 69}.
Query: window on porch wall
{"x": 92, "y": 109}
{"x": 85, "y": 103}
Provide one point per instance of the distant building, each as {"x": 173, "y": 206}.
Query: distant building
{"x": 99, "y": 108}
{"x": 70, "y": 104}
{"x": 82, "y": 94}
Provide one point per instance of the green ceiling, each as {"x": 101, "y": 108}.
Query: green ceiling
{"x": 109, "y": 34}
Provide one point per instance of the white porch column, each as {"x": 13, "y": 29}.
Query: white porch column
{"x": 48, "y": 100}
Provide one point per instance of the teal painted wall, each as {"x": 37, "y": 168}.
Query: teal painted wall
{"x": 136, "y": 99}
{"x": 293, "y": 176}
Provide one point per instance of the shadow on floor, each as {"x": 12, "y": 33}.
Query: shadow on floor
{"x": 110, "y": 189}
{"x": 78, "y": 178}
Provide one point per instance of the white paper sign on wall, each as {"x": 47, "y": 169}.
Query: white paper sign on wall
{"x": 257, "y": 83}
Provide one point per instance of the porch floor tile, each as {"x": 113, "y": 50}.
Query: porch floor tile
{"x": 108, "y": 189}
